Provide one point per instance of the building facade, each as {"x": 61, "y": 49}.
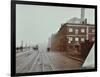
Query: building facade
{"x": 77, "y": 33}
{"x": 74, "y": 39}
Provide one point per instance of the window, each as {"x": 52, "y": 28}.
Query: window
{"x": 76, "y": 31}
{"x": 71, "y": 38}
{"x": 69, "y": 41}
{"x": 76, "y": 39}
{"x": 82, "y": 39}
{"x": 92, "y": 30}
{"x": 70, "y": 30}
{"x": 82, "y": 30}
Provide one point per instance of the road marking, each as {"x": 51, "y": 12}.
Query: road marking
{"x": 49, "y": 64}
{"x": 35, "y": 62}
{"x": 23, "y": 68}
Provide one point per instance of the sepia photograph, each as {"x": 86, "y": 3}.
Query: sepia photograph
{"x": 54, "y": 38}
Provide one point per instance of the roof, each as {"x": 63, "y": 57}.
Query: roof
{"x": 74, "y": 20}
{"x": 83, "y": 25}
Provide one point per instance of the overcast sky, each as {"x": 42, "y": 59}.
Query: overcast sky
{"x": 35, "y": 24}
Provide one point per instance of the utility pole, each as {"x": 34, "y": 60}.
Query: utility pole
{"x": 22, "y": 45}
{"x": 26, "y": 46}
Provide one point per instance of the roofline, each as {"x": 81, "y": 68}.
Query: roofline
{"x": 79, "y": 24}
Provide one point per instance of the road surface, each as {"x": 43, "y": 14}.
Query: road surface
{"x": 42, "y": 61}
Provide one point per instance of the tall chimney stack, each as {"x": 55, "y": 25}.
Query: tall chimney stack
{"x": 82, "y": 15}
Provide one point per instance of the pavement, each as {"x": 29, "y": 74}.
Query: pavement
{"x": 61, "y": 62}
{"x": 42, "y": 61}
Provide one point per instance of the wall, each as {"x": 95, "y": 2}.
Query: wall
{"x": 5, "y": 16}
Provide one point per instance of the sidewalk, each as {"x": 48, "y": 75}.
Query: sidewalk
{"x": 75, "y": 57}
{"x": 61, "y": 62}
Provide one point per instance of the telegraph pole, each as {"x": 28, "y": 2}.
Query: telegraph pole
{"x": 22, "y": 45}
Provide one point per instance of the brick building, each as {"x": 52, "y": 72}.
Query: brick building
{"x": 77, "y": 33}
{"x": 72, "y": 34}
{"x": 75, "y": 39}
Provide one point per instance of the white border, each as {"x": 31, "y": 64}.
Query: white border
{"x": 5, "y": 38}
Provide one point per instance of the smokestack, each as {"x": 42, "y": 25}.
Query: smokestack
{"x": 82, "y": 15}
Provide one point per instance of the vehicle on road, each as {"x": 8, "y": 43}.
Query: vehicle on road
{"x": 35, "y": 47}
{"x": 48, "y": 49}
